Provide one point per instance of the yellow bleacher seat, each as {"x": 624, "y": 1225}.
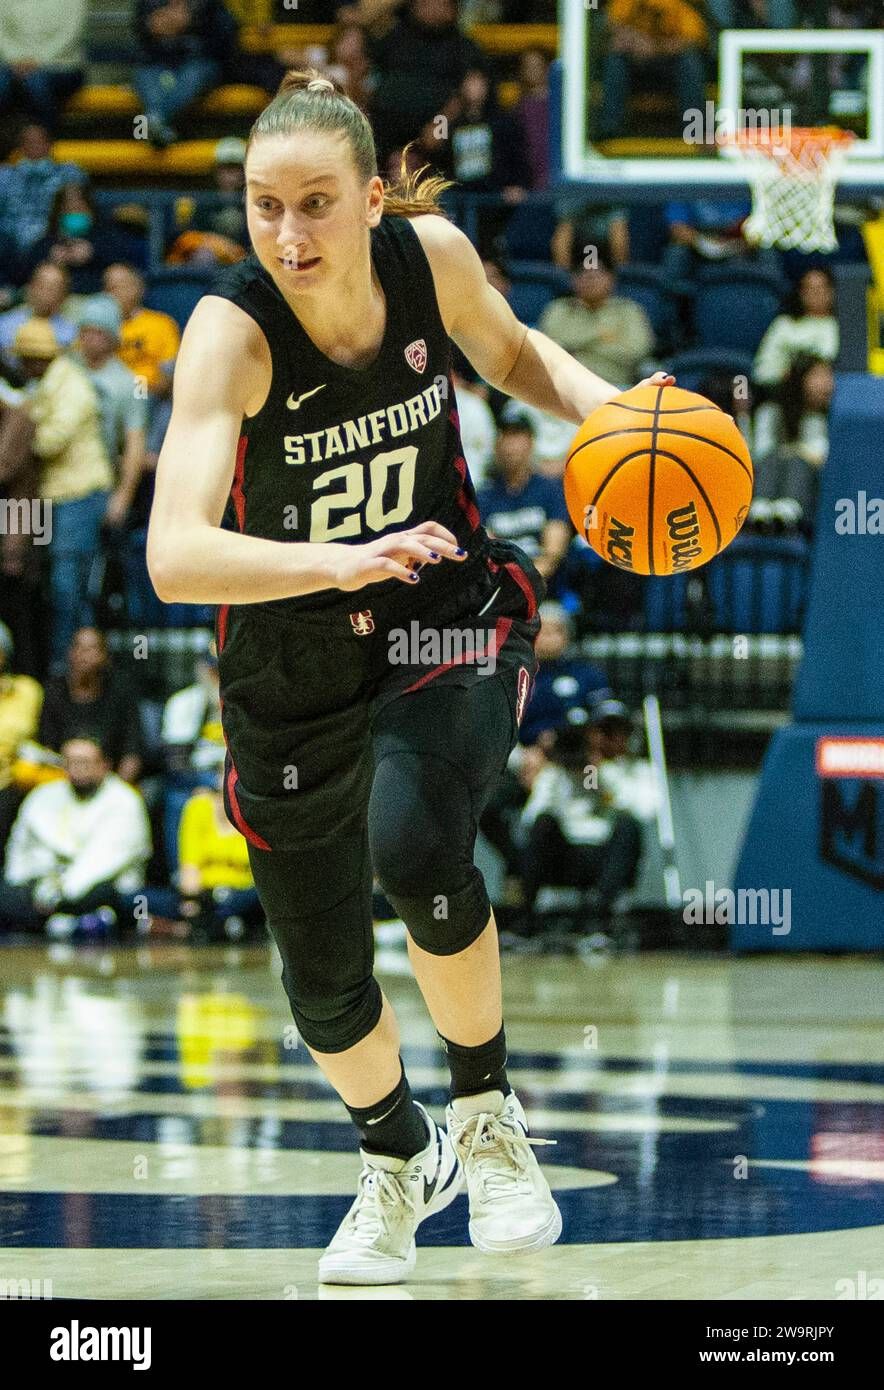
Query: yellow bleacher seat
{"x": 493, "y": 38}
{"x": 236, "y": 99}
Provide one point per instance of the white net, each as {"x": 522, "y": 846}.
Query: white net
{"x": 793, "y": 174}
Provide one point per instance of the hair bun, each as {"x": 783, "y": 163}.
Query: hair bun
{"x": 306, "y": 80}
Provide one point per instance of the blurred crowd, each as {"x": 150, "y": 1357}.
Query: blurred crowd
{"x": 112, "y": 821}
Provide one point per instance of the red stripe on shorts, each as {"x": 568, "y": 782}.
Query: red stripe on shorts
{"x": 521, "y": 579}
{"x": 499, "y": 636}
{"x": 469, "y": 509}
{"x": 239, "y": 819}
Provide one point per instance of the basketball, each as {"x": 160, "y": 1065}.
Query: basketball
{"x": 658, "y": 481}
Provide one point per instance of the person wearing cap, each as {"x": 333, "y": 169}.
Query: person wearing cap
{"x": 20, "y": 701}
{"x": 210, "y": 229}
{"x": 518, "y": 505}
{"x": 122, "y": 408}
{"x": 184, "y": 47}
{"x": 563, "y": 682}
{"x": 75, "y": 473}
{"x": 606, "y": 333}
{"x": 44, "y": 297}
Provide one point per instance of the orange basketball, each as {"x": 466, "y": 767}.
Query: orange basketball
{"x": 659, "y": 480}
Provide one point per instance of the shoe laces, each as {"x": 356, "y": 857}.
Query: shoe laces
{"x": 380, "y": 1194}
{"x": 503, "y": 1153}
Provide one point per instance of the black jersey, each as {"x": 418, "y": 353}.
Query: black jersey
{"x": 347, "y": 454}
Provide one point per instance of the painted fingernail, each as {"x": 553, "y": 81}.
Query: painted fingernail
{"x": 433, "y": 555}
{"x": 459, "y": 551}
{"x": 413, "y": 576}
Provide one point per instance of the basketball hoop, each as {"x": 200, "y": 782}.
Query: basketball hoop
{"x": 793, "y": 173}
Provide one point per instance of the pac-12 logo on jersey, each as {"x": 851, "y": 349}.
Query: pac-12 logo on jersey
{"x": 363, "y": 623}
{"x": 522, "y": 685}
{"x": 416, "y": 354}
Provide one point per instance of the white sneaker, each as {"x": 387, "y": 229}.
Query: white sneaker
{"x": 511, "y": 1207}
{"x": 374, "y": 1243}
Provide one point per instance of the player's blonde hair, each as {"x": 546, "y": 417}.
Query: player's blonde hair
{"x": 309, "y": 100}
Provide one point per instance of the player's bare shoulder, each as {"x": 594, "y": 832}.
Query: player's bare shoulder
{"x": 453, "y": 261}
{"x": 227, "y": 344}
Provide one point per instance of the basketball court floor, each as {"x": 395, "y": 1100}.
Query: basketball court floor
{"x": 719, "y": 1128}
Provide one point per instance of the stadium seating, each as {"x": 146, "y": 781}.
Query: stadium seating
{"x": 734, "y": 306}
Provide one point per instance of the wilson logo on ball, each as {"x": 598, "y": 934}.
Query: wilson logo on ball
{"x": 684, "y": 530}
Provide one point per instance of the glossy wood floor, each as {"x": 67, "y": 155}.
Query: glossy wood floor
{"x": 719, "y": 1128}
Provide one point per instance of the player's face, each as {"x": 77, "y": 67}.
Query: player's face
{"x": 306, "y": 208}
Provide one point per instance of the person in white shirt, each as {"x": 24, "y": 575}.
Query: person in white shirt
{"x": 581, "y": 824}
{"x": 478, "y": 431}
{"x": 77, "y": 844}
{"x": 808, "y": 327}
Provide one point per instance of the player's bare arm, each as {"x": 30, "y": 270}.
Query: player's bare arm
{"x": 506, "y": 353}
{"x": 223, "y": 373}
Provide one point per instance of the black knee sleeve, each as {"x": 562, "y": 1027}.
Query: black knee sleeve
{"x": 318, "y": 909}
{"x": 422, "y": 833}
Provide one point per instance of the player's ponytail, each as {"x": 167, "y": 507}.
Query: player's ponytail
{"x": 308, "y": 99}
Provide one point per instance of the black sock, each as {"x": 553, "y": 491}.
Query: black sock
{"x": 475, "y": 1069}
{"x": 393, "y": 1126}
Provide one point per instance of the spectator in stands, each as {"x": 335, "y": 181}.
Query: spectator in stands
{"x": 215, "y": 881}
{"x": 21, "y": 602}
{"x": 798, "y": 419}
{"x": 193, "y": 742}
{"x": 44, "y": 297}
{"x": 808, "y": 326}
{"x": 27, "y": 190}
{"x": 518, "y": 505}
{"x": 349, "y": 65}
{"x": 752, "y": 14}
{"x": 79, "y": 844}
{"x": 420, "y": 63}
{"x": 20, "y": 700}
{"x": 791, "y": 447}
{"x": 90, "y": 694}
{"x": 185, "y": 45}
{"x": 587, "y": 225}
{"x": 607, "y": 334}
{"x": 532, "y": 114}
{"x": 83, "y": 241}
{"x": 122, "y": 406}
{"x": 75, "y": 476}
{"x": 563, "y": 682}
{"x": 581, "y": 824}
{"x": 149, "y": 342}
{"x": 485, "y": 145}
{"x": 478, "y": 432}
{"x": 706, "y": 232}
{"x": 211, "y": 230}
{"x": 42, "y": 57}
{"x": 662, "y": 40}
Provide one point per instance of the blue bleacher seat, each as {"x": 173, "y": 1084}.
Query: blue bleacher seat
{"x": 759, "y": 584}
{"x": 534, "y": 285}
{"x": 648, "y": 233}
{"x": 177, "y": 294}
{"x": 665, "y": 603}
{"x": 689, "y": 368}
{"x": 735, "y": 306}
{"x": 529, "y": 231}
{"x": 648, "y": 286}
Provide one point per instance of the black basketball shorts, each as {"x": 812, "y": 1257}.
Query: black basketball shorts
{"x": 302, "y": 694}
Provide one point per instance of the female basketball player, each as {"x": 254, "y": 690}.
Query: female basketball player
{"x": 311, "y": 469}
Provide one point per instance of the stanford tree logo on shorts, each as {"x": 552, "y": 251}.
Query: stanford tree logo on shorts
{"x": 416, "y": 354}
{"x": 363, "y": 623}
{"x": 522, "y": 684}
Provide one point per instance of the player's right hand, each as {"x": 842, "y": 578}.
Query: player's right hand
{"x": 396, "y": 556}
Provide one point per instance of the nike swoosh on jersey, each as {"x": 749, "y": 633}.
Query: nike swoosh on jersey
{"x": 294, "y": 404}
